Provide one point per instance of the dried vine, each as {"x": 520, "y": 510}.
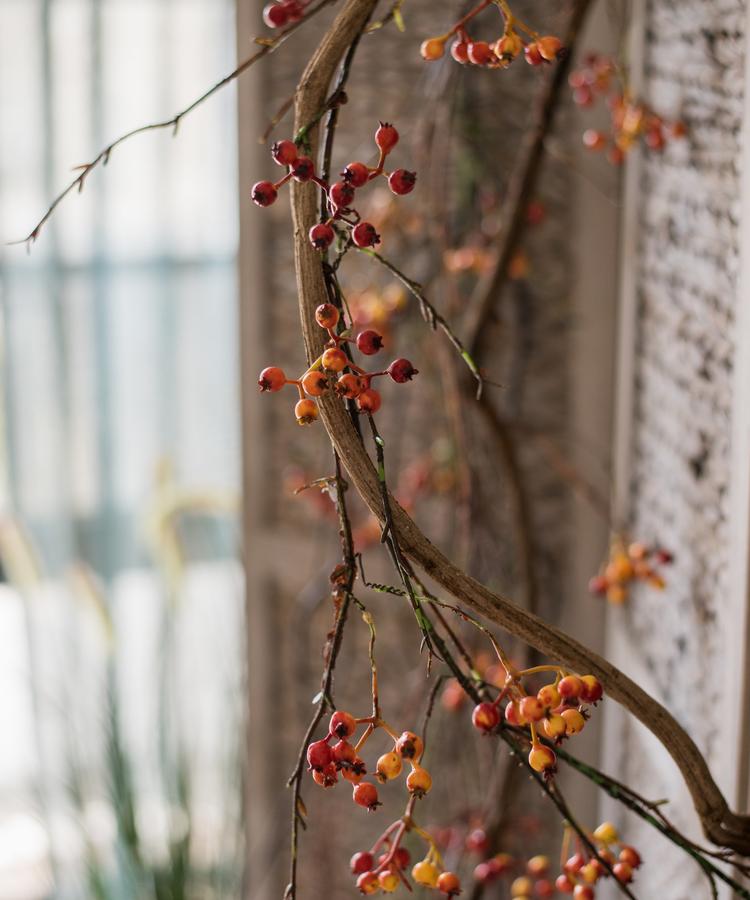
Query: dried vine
{"x": 720, "y": 824}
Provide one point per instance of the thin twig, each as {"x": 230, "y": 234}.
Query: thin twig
{"x": 433, "y": 318}
{"x": 268, "y": 46}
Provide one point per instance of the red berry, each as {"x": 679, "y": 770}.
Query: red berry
{"x": 664, "y": 557}
{"x": 460, "y": 51}
{"x": 402, "y": 181}
{"x": 361, "y": 862}
{"x": 366, "y": 794}
{"x": 343, "y": 753}
{"x": 303, "y": 168}
{"x": 592, "y": 689}
{"x": 598, "y": 585}
{"x": 294, "y": 9}
{"x": 319, "y": 755}
{"x": 583, "y": 892}
{"x": 271, "y": 379}
{"x": 485, "y": 717}
{"x": 477, "y": 841}
{"x": 484, "y": 874}
{"x": 533, "y": 55}
{"x": 449, "y": 884}
{"x": 315, "y": 384}
{"x": 349, "y": 386}
{"x": 322, "y": 236}
{"x": 264, "y": 193}
{"x": 386, "y": 137}
{"x": 623, "y": 872}
{"x": 402, "y": 857}
{"x": 630, "y": 856}
{"x": 574, "y": 864}
{"x": 544, "y": 888}
{"x": 284, "y": 152}
{"x": 531, "y": 709}
{"x": 594, "y": 140}
{"x": 342, "y": 724}
{"x": 513, "y": 715}
{"x": 583, "y": 96}
{"x": 410, "y": 745}
{"x": 369, "y": 342}
{"x": 326, "y": 315}
{"x": 364, "y": 235}
{"x": 369, "y": 400}
{"x": 570, "y": 687}
{"x": 275, "y": 15}
{"x": 356, "y": 174}
{"x": 541, "y": 758}
{"x": 341, "y": 194}
{"x": 564, "y": 885}
{"x": 480, "y": 53}
{"x": 401, "y": 371}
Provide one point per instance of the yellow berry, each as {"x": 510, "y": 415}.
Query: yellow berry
{"x": 606, "y": 833}
{"x": 425, "y": 873}
{"x": 388, "y": 767}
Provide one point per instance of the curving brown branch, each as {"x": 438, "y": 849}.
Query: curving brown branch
{"x": 720, "y": 824}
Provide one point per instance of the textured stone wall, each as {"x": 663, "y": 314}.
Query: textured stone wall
{"x": 687, "y": 294}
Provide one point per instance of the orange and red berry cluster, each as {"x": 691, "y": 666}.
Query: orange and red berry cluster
{"x": 631, "y": 121}
{"x": 339, "y": 195}
{"x": 581, "y": 871}
{"x": 338, "y": 754}
{"x": 333, "y": 369}
{"x": 558, "y": 709}
{"x": 629, "y": 563}
{"x": 497, "y": 54}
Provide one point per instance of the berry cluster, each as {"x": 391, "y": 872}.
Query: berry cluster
{"x": 383, "y": 867}
{"x": 498, "y": 54}
{"x": 532, "y": 883}
{"x": 631, "y": 120}
{"x": 559, "y": 709}
{"x": 627, "y": 564}
{"x": 582, "y": 871}
{"x": 330, "y": 371}
{"x": 284, "y": 12}
{"x": 340, "y": 195}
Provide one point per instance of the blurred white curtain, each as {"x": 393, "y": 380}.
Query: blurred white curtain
{"x": 119, "y": 442}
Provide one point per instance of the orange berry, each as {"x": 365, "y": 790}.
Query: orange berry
{"x": 334, "y": 359}
{"x": 570, "y": 687}
{"x": 306, "y": 412}
{"x": 315, "y": 384}
{"x": 425, "y": 873}
{"x": 549, "y": 696}
{"x": 410, "y": 746}
{"x": 531, "y": 709}
{"x": 574, "y": 721}
{"x": 449, "y": 883}
{"x": 272, "y": 379}
{"x": 541, "y": 758}
{"x": 432, "y": 49}
{"x": 388, "y": 881}
{"x": 419, "y": 781}
{"x": 388, "y": 767}
{"x": 606, "y": 833}
{"x": 369, "y": 400}
{"x": 522, "y": 887}
{"x": 550, "y": 47}
{"x": 554, "y": 727}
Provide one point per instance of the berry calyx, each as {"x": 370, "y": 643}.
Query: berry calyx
{"x": 388, "y": 767}
{"x": 410, "y": 745}
{"x": 365, "y": 235}
{"x": 306, "y": 412}
{"x": 271, "y": 379}
{"x": 432, "y": 49}
{"x": 321, "y": 236}
{"x": 369, "y": 400}
{"x": 369, "y": 342}
{"x": 366, "y": 794}
{"x": 334, "y": 360}
{"x": 449, "y": 884}
{"x": 326, "y": 315}
{"x": 341, "y": 194}
{"x": 419, "y": 781}
{"x": 368, "y": 883}
{"x": 361, "y": 862}
{"x": 541, "y": 758}
{"x": 356, "y": 174}
{"x": 284, "y": 153}
{"x": 401, "y": 371}
{"x": 342, "y": 724}
{"x": 425, "y": 873}
{"x": 264, "y": 193}
{"x": 485, "y": 717}
{"x": 315, "y": 384}
{"x": 319, "y": 755}
{"x": 303, "y": 168}
{"x": 402, "y": 181}
{"x": 386, "y": 137}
